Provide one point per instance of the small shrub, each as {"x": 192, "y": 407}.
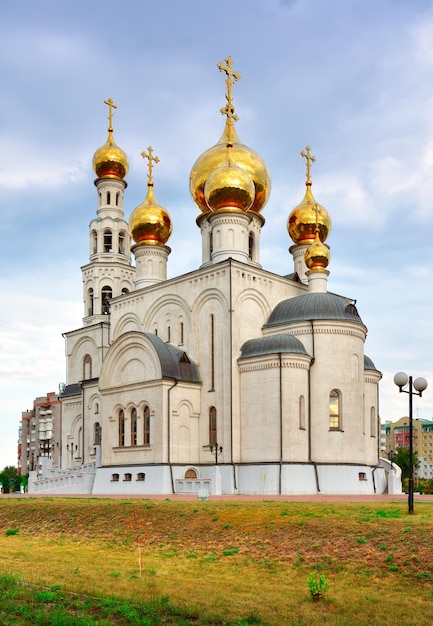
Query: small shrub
{"x": 12, "y": 531}
{"x": 318, "y": 585}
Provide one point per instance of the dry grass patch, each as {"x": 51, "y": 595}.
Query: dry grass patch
{"x": 231, "y": 562}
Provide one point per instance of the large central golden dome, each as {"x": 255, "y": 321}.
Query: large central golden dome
{"x": 244, "y": 157}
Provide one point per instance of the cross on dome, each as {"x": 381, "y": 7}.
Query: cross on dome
{"x": 151, "y": 160}
{"x": 232, "y": 77}
{"x": 309, "y": 159}
{"x": 111, "y": 106}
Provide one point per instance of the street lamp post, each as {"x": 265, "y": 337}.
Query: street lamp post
{"x": 216, "y": 451}
{"x": 401, "y": 379}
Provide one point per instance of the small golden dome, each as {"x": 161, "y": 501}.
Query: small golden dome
{"x": 149, "y": 222}
{"x": 302, "y": 220}
{"x": 317, "y": 256}
{"x": 109, "y": 161}
{"x": 229, "y": 187}
{"x": 309, "y": 215}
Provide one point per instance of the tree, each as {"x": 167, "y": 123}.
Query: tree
{"x": 10, "y": 478}
{"x": 402, "y": 460}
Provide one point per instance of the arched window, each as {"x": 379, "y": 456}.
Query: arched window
{"x": 94, "y": 242}
{"x": 210, "y": 246}
{"x": 302, "y": 412}
{"x": 334, "y": 410}
{"x": 251, "y": 246}
{"x": 97, "y": 434}
{"x": 122, "y": 243}
{"x": 108, "y": 197}
{"x": 181, "y": 333}
{"x": 134, "y": 427}
{"x": 107, "y": 294}
{"x": 212, "y": 425}
{"x": 191, "y": 473}
{"x": 146, "y": 426}
{"x": 115, "y": 478}
{"x": 108, "y": 241}
{"x": 141, "y": 476}
{"x": 212, "y": 351}
{"x": 87, "y": 367}
{"x": 121, "y": 428}
{"x": 90, "y": 302}
{"x": 127, "y": 477}
{"x": 117, "y": 198}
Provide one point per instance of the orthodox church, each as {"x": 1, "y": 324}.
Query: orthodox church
{"x": 228, "y": 379}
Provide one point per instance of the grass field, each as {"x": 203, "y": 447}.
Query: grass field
{"x": 72, "y": 561}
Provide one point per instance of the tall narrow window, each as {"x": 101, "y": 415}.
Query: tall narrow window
{"x": 87, "y": 367}
{"x": 117, "y": 198}
{"x": 107, "y": 294}
{"x": 108, "y": 197}
{"x": 134, "y": 427}
{"x": 373, "y": 422}
{"x": 122, "y": 243}
{"x": 302, "y": 412}
{"x": 212, "y": 425}
{"x": 94, "y": 242}
{"x": 97, "y": 434}
{"x": 168, "y": 333}
{"x": 212, "y": 351}
{"x": 210, "y": 246}
{"x": 146, "y": 426}
{"x": 181, "y": 333}
{"x": 121, "y": 428}
{"x": 108, "y": 241}
{"x": 251, "y": 246}
{"x": 90, "y": 302}
{"x": 334, "y": 410}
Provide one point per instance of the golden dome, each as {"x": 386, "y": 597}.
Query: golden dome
{"x": 229, "y": 187}
{"x": 317, "y": 256}
{"x": 244, "y": 157}
{"x": 149, "y": 222}
{"x": 308, "y": 215}
{"x": 109, "y": 161}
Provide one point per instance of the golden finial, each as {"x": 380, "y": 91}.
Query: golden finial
{"x": 232, "y": 78}
{"x": 111, "y": 106}
{"x": 309, "y": 159}
{"x": 151, "y": 160}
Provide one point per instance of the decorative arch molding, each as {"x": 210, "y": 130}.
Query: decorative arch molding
{"x": 84, "y": 345}
{"x": 76, "y": 424}
{"x": 131, "y": 359}
{"x": 168, "y": 300}
{"x": 186, "y": 404}
{"x": 207, "y": 295}
{"x": 253, "y": 295}
{"x": 92, "y": 399}
{"x": 128, "y": 323}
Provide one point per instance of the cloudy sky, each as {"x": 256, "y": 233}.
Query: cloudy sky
{"x": 351, "y": 78}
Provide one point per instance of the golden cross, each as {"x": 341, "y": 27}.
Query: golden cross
{"x": 150, "y": 161}
{"x": 310, "y": 159}
{"x": 232, "y": 78}
{"x": 111, "y": 106}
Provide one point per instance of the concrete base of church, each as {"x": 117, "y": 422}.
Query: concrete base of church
{"x": 247, "y": 479}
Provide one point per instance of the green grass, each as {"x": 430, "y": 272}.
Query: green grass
{"x": 251, "y": 567}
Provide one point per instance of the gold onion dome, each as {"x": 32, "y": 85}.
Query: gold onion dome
{"x": 303, "y": 219}
{"x": 317, "y": 256}
{"x": 150, "y": 223}
{"x": 229, "y": 188}
{"x": 109, "y": 161}
{"x": 215, "y": 157}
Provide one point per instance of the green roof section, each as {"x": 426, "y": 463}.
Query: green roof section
{"x": 314, "y": 306}
{"x": 175, "y": 363}
{"x": 273, "y": 344}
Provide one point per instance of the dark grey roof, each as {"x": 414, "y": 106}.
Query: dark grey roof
{"x": 72, "y": 390}
{"x": 274, "y": 344}
{"x": 368, "y": 364}
{"x": 314, "y": 306}
{"x": 174, "y": 362}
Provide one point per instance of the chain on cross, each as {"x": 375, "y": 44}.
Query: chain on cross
{"x": 309, "y": 159}
{"x": 151, "y": 160}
